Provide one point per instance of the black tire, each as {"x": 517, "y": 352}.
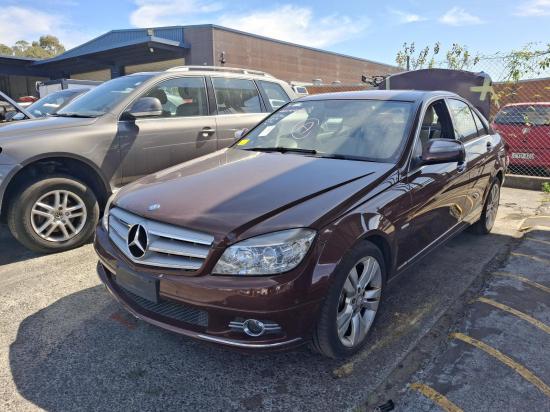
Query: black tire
{"x": 325, "y": 338}
{"x": 481, "y": 227}
{"x": 19, "y": 213}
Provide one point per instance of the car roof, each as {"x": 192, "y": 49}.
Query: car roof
{"x": 214, "y": 73}
{"x": 401, "y": 95}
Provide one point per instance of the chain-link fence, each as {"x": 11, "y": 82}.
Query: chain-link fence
{"x": 520, "y": 110}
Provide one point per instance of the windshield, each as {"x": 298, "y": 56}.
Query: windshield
{"x": 535, "y": 115}
{"x": 104, "y": 97}
{"x": 372, "y": 130}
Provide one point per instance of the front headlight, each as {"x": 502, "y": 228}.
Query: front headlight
{"x": 268, "y": 254}
{"x": 105, "y": 219}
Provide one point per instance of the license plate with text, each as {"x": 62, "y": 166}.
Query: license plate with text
{"x": 525, "y": 156}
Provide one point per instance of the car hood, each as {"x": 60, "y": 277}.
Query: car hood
{"x": 229, "y": 191}
{"x": 41, "y": 125}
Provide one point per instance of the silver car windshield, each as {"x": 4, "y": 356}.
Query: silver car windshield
{"x": 104, "y": 97}
{"x": 373, "y": 130}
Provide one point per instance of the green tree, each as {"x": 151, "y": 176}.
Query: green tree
{"x": 46, "y": 46}
{"x": 457, "y": 57}
{"x": 531, "y": 60}
{"x": 6, "y": 50}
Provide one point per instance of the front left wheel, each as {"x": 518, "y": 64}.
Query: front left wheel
{"x": 53, "y": 214}
{"x": 351, "y": 306}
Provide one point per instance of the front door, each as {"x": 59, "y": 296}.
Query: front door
{"x": 440, "y": 192}
{"x": 185, "y": 129}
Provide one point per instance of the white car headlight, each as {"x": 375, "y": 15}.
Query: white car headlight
{"x": 268, "y": 254}
{"x": 105, "y": 218}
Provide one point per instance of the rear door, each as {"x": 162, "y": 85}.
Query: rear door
{"x": 184, "y": 131}
{"x": 238, "y": 105}
{"x": 478, "y": 146}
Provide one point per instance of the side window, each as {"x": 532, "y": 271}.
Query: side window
{"x": 465, "y": 127}
{"x": 436, "y": 122}
{"x": 181, "y": 97}
{"x": 481, "y": 129}
{"x": 234, "y": 96}
{"x": 275, "y": 94}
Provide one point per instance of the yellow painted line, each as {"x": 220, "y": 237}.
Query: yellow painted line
{"x": 524, "y": 280}
{"x": 521, "y": 315}
{"x": 535, "y": 258}
{"x": 532, "y": 239}
{"x": 520, "y": 369}
{"x": 435, "y": 396}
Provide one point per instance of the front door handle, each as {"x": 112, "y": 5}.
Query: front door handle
{"x": 489, "y": 146}
{"x": 207, "y": 131}
{"x": 461, "y": 167}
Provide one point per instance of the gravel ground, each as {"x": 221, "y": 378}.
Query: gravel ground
{"x": 66, "y": 345}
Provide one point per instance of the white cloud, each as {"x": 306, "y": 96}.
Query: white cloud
{"x": 404, "y": 17}
{"x": 457, "y": 16}
{"x": 22, "y": 23}
{"x": 19, "y": 23}
{"x": 151, "y": 13}
{"x": 287, "y": 22}
{"x": 297, "y": 25}
{"x": 534, "y": 8}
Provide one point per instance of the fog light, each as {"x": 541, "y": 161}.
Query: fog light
{"x": 253, "y": 327}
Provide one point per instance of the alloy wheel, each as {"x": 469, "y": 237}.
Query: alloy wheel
{"x": 58, "y": 216}
{"x": 492, "y": 207}
{"x": 359, "y": 301}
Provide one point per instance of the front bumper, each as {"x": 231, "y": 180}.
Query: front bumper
{"x": 283, "y": 299}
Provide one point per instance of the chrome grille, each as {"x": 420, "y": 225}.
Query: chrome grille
{"x": 168, "y": 246}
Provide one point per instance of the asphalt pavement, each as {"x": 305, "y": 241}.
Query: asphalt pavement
{"x": 66, "y": 345}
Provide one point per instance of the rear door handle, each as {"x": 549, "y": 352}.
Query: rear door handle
{"x": 461, "y": 167}
{"x": 489, "y": 146}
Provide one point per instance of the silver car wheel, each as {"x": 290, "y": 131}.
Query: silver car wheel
{"x": 58, "y": 216}
{"x": 492, "y": 207}
{"x": 359, "y": 300}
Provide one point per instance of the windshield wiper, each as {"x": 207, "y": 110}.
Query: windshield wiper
{"x": 283, "y": 150}
{"x": 73, "y": 115}
{"x": 343, "y": 157}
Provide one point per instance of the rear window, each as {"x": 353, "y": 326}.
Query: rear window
{"x": 275, "y": 94}
{"x": 524, "y": 115}
{"x": 234, "y": 96}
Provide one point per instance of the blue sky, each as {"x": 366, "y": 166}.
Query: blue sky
{"x": 368, "y": 29}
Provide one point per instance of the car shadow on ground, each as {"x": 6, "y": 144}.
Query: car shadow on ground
{"x": 85, "y": 352}
{"x": 13, "y": 251}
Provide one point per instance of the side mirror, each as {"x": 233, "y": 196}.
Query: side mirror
{"x": 240, "y": 133}
{"x": 145, "y": 107}
{"x": 443, "y": 151}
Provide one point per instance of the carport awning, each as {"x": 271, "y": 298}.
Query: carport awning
{"x": 148, "y": 50}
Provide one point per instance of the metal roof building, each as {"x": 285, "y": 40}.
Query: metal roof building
{"x": 121, "y": 52}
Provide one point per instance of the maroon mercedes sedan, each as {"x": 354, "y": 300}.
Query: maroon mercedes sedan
{"x": 290, "y": 235}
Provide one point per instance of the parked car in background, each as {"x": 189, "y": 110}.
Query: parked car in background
{"x": 26, "y": 101}
{"x": 526, "y": 129}
{"x": 9, "y": 108}
{"x": 291, "y": 234}
{"x": 51, "y": 104}
{"x": 51, "y": 86}
{"x": 56, "y": 173}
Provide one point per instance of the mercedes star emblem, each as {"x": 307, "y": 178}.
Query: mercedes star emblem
{"x": 137, "y": 241}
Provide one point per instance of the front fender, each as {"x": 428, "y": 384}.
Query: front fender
{"x": 342, "y": 235}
